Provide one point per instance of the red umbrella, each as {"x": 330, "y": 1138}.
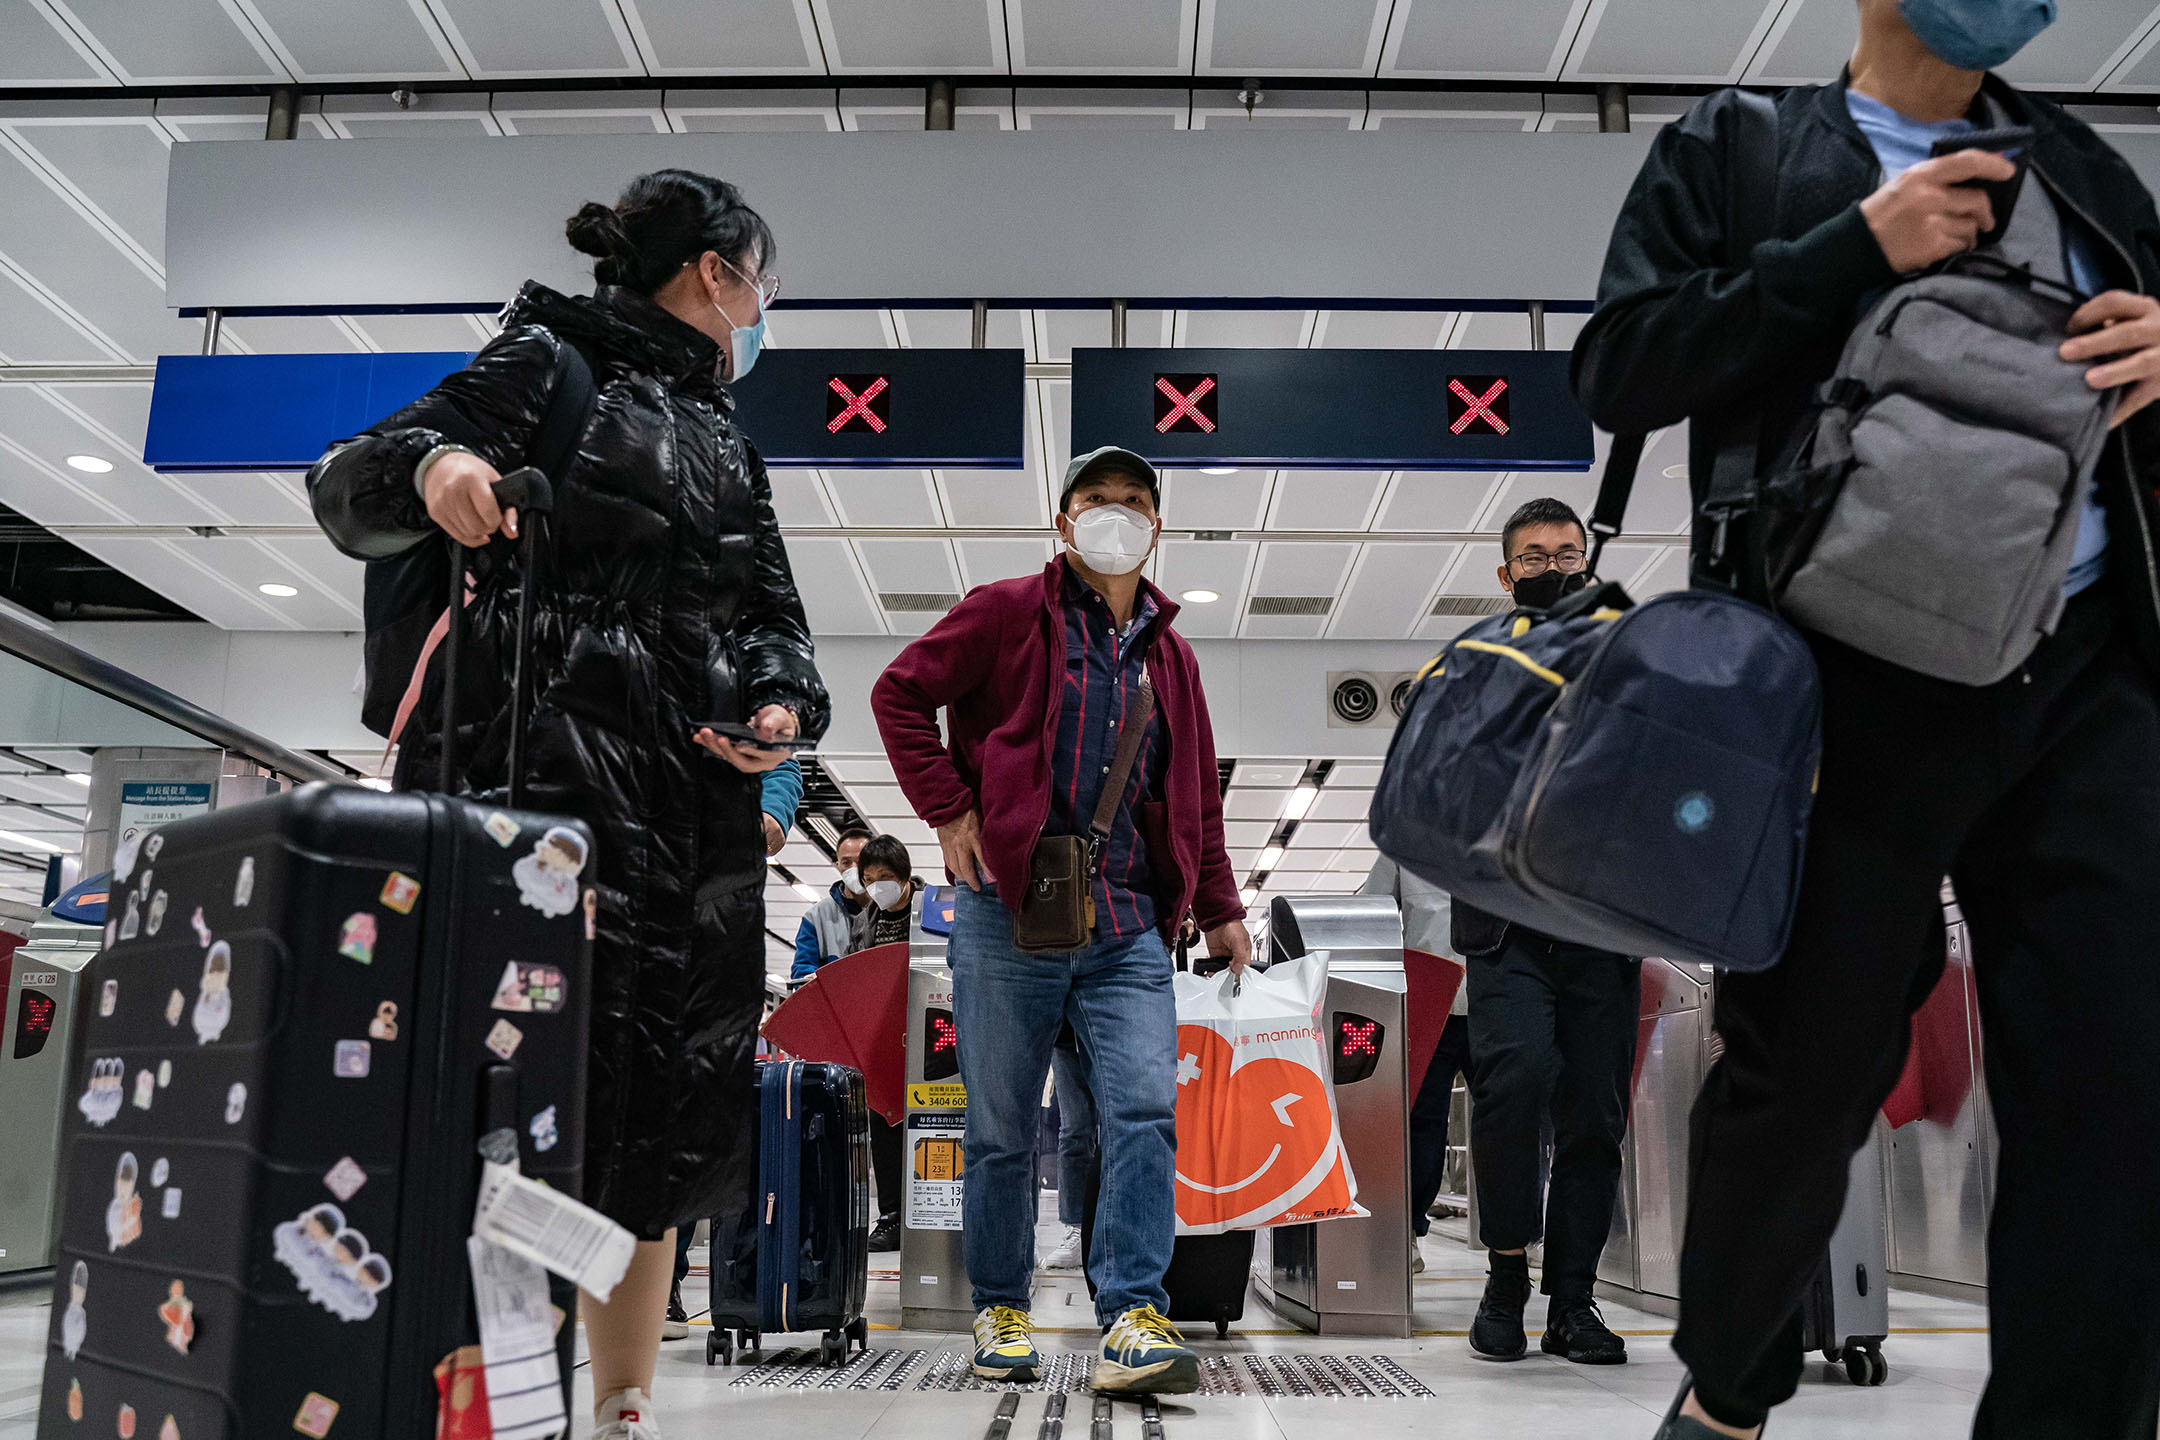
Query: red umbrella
{"x": 853, "y": 1011}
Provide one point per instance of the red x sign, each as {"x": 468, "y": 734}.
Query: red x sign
{"x": 1186, "y": 409}
{"x": 847, "y": 406}
{"x": 1466, "y": 405}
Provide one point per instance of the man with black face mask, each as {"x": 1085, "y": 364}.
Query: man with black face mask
{"x": 1552, "y": 1034}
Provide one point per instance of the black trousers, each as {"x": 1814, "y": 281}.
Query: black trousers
{"x": 885, "y": 1148}
{"x": 1552, "y": 1030}
{"x": 1429, "y": 1119}
{"x": 2040, "y": 797}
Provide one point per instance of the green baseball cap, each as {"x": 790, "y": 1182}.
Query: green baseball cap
{"x": 1109, "y": 457}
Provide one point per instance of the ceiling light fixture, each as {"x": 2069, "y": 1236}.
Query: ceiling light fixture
{"x": 1218, "y": 470}
{"x": 1200, "y": 597}
{"x": 1301, "y": 800}
{"x": 807, "y": 892}
{"x": 1270, "y": 857}
{"x": 282, "y": 592}
{"x": 90, "y": 464}
{"x": 32, "y": 841}
{"x": 78, "y": 777}
{"x": 1248, "y": 896}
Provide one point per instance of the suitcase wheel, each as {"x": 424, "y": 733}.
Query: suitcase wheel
{"x": 1864, "y": 1365}
{"x": 719, "y": 1348}
{"x": 833, "y": 1348}
{"x": 1222, "y": 1329}
{"x": 858, "y": 1330}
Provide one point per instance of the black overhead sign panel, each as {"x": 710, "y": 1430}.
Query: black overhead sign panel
{"x": 865, "y": 408}
{"x": 1333, "y": 409}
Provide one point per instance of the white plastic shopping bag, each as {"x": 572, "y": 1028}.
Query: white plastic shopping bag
{"x": 1258, "y": 1140}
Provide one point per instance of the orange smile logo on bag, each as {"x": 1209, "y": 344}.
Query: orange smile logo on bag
{"x": 1258, "y": 1139}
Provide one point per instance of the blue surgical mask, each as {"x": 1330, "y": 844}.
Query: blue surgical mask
{"x": 744, "y": 344}
{"x": 1976, "y": 34}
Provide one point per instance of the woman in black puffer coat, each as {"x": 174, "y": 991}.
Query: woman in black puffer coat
{"x": 666, "y": 601}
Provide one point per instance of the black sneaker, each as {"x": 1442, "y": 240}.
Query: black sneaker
{"x": 1497, "y": 1332}
{"x": 1680, "y": 1427}
{"x": 677, "y": 1324}
{"x": 1575, "y": 1328}
{"x": 885, "y": 1235}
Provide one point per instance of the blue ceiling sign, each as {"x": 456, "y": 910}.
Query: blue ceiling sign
{"x": 1333, "y": 409}
{"x": 844, "y": 409}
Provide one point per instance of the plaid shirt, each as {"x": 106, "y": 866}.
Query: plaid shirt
{"x": 1102, "y": 679}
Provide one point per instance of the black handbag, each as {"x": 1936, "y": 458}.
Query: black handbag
{"x": 1057, "y": 910}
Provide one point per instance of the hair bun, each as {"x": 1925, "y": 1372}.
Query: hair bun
{"x": 597, "y": 230}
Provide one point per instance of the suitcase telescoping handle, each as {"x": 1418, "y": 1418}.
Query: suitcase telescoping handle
{"x": 534, "y": 498}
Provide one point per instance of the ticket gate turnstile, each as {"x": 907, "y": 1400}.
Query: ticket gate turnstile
{"x": 44, "y": 985}
{"x": 1641, "y": 1263}
{"x": 1352, "y": 1277}
{"x": 934, "y": 1290}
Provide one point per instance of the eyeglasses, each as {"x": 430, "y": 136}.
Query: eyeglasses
{"x": 766, "y": 286}
{"x": 1536, "y": 562}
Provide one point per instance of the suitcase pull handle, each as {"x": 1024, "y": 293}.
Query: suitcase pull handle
{"x": 530, "y": 492}
{"x": 498, "y": 1099}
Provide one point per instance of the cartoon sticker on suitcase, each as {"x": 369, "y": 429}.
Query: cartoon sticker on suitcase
{"x": 356, "y": 938}
{"x": 157, "y": 913}
{"x": 75, "y": 1400}
{"x": 123, "y": 1217}
{"x": 75, "y": 1323}
{"x": 213, "y": 998}
{"x": 243, "y": 889}
{"x": 400, "y": 893}
{"x": 332, "y": 1265}
{"x": 102, "y": 1099}
{"x": 178, "y": 1313}
{"x": 529, "y": 988}
{"x": 547, "y": 878}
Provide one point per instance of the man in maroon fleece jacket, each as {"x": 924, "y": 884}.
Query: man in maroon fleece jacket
{"x": 1038, "y": 677}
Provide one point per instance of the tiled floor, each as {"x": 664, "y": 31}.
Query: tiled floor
{"x": 1938, "y": 1359}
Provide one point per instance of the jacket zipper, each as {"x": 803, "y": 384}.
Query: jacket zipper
{"x": 2130, "y": 481}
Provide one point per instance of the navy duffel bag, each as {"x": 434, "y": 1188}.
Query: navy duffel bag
{"x": 1635, "y": 778}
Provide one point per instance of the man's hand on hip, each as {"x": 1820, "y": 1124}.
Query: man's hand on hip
{"x": 1234, "y": 941}
{"x": 961, "y": 840}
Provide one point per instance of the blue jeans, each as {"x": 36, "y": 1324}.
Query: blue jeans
{"x": 1078, "y": 1154}
{"x": 1009, "y": 1006}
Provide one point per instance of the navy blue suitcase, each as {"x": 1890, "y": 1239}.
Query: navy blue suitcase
{"x": 798, "y": 1256}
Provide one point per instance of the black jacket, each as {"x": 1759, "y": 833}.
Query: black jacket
{"x": 1681, "y": 333}
{"x": 667, "y": 601}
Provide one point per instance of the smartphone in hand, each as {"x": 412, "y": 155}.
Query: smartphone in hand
{"x": 2013, "y": 143}
{"x": 743, "y": 735}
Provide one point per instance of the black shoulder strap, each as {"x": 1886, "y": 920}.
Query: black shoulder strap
{"x": 571, "y": 400}
{"x": 1751, "y": 168}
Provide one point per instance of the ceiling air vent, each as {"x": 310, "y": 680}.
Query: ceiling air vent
{"x": 917, "y": 602}
{"x": 1472, "y": 604}
{"x": 1290, "y": 605}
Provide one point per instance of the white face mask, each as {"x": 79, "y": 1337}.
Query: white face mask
{"x": 1112, "y": 539}
{"x": 851, "y": 880}
{"x": 886, "y": 893}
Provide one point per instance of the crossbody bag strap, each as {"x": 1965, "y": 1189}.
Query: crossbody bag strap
{"x": 1751, "y": 171}
{"x": 1128, "y": 751}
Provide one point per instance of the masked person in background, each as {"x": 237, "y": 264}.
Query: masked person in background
{"x": 891, "y": 897}
{"x": 1552, "y": 1037}
{"x": 1040, "y": 678}
{"x": 823, "y": 934}
{"x": 2038, "y": 795}
{"x": 667, "y": 600}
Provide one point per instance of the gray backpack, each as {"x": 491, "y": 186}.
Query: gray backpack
{"x": 1928, "y": 514}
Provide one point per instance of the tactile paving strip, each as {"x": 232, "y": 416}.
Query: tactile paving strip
{"x": 1066, "y": 1372}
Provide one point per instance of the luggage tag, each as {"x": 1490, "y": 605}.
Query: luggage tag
{"x": 546, "y": 1226}
{"x": 517, "y": 1344}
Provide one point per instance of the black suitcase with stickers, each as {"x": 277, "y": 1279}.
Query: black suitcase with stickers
{"x": 308, "y": 1010}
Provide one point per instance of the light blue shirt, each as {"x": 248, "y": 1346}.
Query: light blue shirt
{"x": 1901, "y": 142}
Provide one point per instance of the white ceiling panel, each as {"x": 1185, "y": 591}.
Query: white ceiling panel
{"x": 859, "y": 769}
{"x": 505, "y": 39}
{"x": 1280, "y": 110}
{"x": 420, "y": 332}
{"x": 329, "y": 584}
{"x": 197, "y": 42}
{"x": 910, "y": 567}
{"x": 35, "y": 330}
{"x": 293, "y": 335}
{"x": 2079, "y": 50}
{"x": 799, "y": 499}
{"x": 834, "y": 592}
{"x": 879, "y": 799}
{"x": 1267, "y": 774}
{"x": 1325, "y": 499}
{"x": 43, "y": 428}
{"x": 1389, "y": 590}
{"x": 753, "y": 111}
{"x": 581, "y": 112}
{"x": 113, "y": 163}
{"x": 1808, "y": 45}
{"x": 378, "y": 117}
{"x": 1476, "y": 571}
{"x": 1224, "y": 567}
{"x": 354, "y": 39}
{"x": 121, "y": 411}
{"x": 1353, "y": 775}
{"x": 1452, "y": 110}
{"x": 1251, "y": 834}
{"x": 1576, "y": 488}
{"x": 884, "y": 497}
{"x": 983, "y": 561}
{"x": 1436, "y": 499}
{"x": 1669, "y": 40}
{"x": 2138, "y": 68}
{"x": 1195, "y": 500}
{"x": 808, "y": 328}
{"x": 1270, "y": 329}
{"x": 1325, "y": 835}
{"x": 1659, "y": 503}
{"x": 954, "y": 329}
{"x": 167, "y": 567}
{"x": 37, "y": 47}
{"x": 1496, "y": 39}
{"x": 1300, "y": 567}
{"x": 1102, "y": 37}
{"x": 902, "y": 109}
{"x": 250, "y": 498}
{"x": 1291, "y": 37}
{"x": 1336, "y": 803}
{"x": 1241, "y": 804}
{"x": 721, "y": 37}
{"x": 927, "y": 36}
{"x": 1048, "y": 109}
{"x": 996, "y": 499}
{"x": 1668, "y": 571}
{"x": 1381, "y": 329}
